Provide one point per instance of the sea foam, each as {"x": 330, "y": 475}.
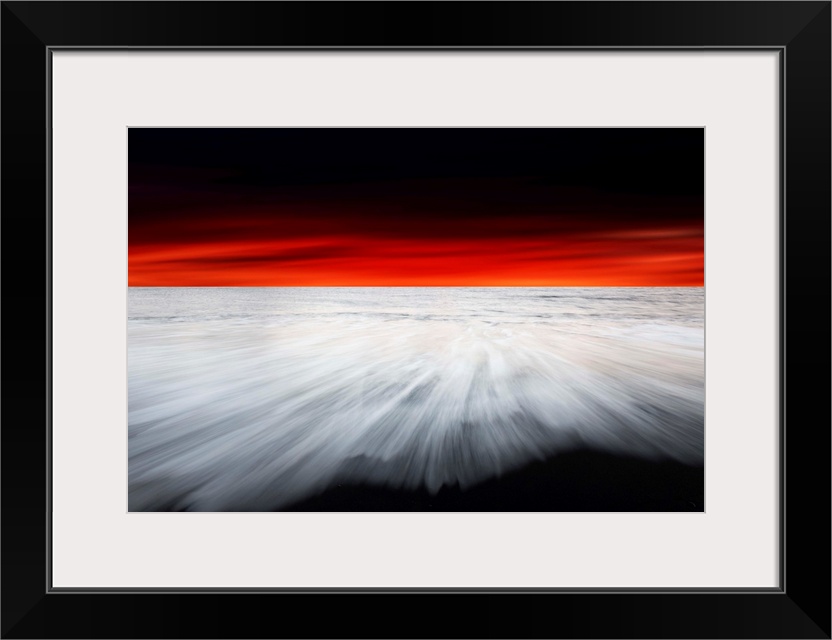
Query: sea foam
{"x": 253, "y": 398}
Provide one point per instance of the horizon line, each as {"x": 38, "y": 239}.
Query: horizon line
{"x": 418, "y": 286}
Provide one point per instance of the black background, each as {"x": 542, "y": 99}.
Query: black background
{"x": 802, "y": 610}
{"x": 635, "y": 160}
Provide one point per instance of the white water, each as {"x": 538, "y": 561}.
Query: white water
{"x": 253, "y": 398}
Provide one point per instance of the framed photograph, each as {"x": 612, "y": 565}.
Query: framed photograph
{"x": 416, "y": 319}
{"x": 517, "y": 302}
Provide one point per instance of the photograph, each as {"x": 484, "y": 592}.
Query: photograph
{"x": 416, "y": 319}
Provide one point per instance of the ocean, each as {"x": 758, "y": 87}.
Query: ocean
{"x": 253, "y": 399}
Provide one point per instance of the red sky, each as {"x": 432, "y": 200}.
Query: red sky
{"x": 320, "y": 222}
{"x": 276, "y": 250}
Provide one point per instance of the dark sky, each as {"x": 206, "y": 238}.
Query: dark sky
{"x": 415, "y": 206}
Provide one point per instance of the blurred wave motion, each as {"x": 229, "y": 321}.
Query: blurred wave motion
{"x": 250, "y": 399}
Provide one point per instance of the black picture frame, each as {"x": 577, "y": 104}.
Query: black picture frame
{"x": 799, "y": 608}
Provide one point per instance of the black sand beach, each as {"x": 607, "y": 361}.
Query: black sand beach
{"x": 581, "y": 480}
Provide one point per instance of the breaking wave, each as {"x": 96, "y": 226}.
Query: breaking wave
{"x": 249, "y": 400}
